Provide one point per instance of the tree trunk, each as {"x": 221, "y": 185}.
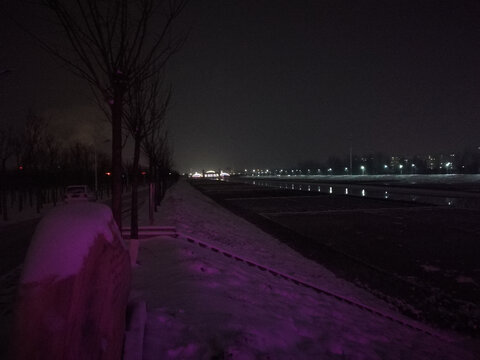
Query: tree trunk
{"x": 3, "y": 189}
{"x": 116, "y": 107}
{"x": 134, "y": 182}
{"x": 4, "y": 203}
{"x": 38, "y": 200}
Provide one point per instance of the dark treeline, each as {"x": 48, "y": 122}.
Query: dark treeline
{"x": 36, "y": 167}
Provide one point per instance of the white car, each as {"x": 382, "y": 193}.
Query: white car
{"x": 78, "y": 193}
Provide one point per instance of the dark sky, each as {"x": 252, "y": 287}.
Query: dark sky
{"x": 269, "y": 83}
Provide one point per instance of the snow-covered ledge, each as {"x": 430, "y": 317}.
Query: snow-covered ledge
{"x": 74, "y": 288}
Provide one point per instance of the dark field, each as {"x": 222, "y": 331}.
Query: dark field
{"x": 423, "y": 259}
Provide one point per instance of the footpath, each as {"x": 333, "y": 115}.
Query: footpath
{"x": 220, "y": 288}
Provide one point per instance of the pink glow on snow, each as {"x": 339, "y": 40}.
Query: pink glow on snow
{"x": 232, "y": 291}
{"x": 63, "y": 237}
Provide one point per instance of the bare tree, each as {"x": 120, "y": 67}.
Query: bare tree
{"x": 6, "y": 146}
{"x": 146, "y": 108}
{"x": 33, "y": 141}
{"x": 116, "y": 44}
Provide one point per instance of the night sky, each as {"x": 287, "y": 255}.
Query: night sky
{"x": 271, "y": 83}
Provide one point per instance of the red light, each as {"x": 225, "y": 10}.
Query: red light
{"x": 108, "y": 173}
{"x": 144, "y": 173}
{"x": 20, "y": 167}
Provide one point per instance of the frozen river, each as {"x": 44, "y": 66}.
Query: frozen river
{"x": 459, "y": 192}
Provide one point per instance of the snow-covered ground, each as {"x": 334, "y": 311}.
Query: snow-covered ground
{"x": 204, "y": 305}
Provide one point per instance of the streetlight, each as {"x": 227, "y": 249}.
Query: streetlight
{"x": 363, "y": 169}
{"x": 448, "y": 166}
{"x": 401, "y": 169}
{"x": 413, "y": 168}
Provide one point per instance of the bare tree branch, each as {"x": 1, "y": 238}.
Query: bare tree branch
{"x": 118, "y": 44}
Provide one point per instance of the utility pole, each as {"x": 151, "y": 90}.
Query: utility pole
{"x": 95, "y": 162}
{"x": 351, "y": 163}
{"x": 96, "y": 176}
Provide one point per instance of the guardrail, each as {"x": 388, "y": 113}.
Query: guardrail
{"x": 146, "y": 232}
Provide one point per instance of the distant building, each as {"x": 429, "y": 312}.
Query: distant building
{"x": 211, "y": 174}
{"x": 394, "y": 162}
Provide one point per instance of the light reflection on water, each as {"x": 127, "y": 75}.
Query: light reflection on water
{"x": 374, "y": 192}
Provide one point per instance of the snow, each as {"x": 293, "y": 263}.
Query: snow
{"x": 63, "y": 238}
{"x": 203, "y": 305}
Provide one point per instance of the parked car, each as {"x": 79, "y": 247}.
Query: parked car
{"x": 78, "y": 193}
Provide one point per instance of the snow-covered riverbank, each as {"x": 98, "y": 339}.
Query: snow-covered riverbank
{"x": 202, "y": 304}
